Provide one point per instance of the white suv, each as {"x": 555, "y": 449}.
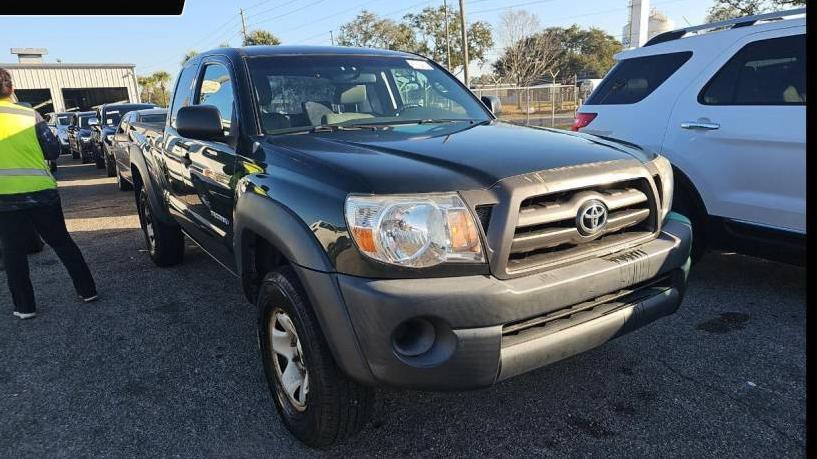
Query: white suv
{"x": 726, "y": 104}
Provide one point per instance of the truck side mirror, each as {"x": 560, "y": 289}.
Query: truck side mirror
{"x": 493, "y": 103}
{"x": 199, "y": 122}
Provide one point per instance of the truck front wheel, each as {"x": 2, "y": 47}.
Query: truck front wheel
{"x": 317, "y": 402}
{"x": 165, "y": 242}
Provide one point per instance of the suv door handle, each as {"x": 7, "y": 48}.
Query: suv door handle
{"x": 700, "y": 125}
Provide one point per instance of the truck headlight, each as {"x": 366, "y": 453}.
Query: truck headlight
{"x": 666, "y": 188}
{"x": 416, "y": 231}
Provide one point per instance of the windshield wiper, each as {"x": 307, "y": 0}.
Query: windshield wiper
{"x": 414, "y": 121}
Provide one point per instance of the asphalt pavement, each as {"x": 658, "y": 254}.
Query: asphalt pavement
{"x": 166, "y": 365}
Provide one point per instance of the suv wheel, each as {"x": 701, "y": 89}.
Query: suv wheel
{"x": 165, "y": 242}
{"x": 317, "y": 402}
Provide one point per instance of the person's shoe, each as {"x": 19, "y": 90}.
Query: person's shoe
{"x": 25, "y": 315}
{"x": 90, "y": 299}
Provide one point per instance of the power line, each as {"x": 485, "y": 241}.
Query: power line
{"x": 284, "y": 14}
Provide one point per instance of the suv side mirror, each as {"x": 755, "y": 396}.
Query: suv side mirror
{"x": 493, "y": 103}
{"x": 199, "y": 122}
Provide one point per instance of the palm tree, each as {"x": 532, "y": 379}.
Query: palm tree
{"x": 161, "y": 78}
{"x": 146, "y": 83}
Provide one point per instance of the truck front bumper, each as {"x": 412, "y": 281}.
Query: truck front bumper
{"x": 470, "y": 332}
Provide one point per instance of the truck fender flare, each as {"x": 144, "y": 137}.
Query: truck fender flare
{"x": 159, "y": 208}
{"x": 293, "y": 239}
{"x": 281, "y": 228}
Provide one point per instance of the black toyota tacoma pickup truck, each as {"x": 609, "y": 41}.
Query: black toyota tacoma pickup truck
{"x": 391, "y": 231}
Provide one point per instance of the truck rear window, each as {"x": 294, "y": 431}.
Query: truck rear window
{"x": 632, "y": 80}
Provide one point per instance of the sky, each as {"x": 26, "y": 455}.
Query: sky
{"x": 158, "y": 43}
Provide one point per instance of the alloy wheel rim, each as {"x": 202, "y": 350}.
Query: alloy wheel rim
{"x": 287, "y": 359}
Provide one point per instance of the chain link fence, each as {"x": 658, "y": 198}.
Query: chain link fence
{"x": 552, "y": 105}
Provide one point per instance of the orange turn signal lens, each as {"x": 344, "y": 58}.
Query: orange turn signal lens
{"x": 464, "y": 235}
{"x": 364, "y": 239}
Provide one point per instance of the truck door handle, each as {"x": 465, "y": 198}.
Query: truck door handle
{"x": 700, "y": 125}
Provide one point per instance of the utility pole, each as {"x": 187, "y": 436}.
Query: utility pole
{"x": 243, "y": 26}
{"x": 464, "y": 44}
{"x": 332, "y": 37}
{"x": 447, "y": 40}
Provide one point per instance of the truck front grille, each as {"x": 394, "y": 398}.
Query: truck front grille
{"x": 548, "y": 232}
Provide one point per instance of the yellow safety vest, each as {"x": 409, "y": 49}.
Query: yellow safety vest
{"x": 22, "y": 166}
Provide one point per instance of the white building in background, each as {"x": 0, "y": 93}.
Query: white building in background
{"x": 69, "y": 87}
{"x": 657, "y": 23}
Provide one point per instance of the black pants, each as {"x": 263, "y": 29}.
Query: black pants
{"x": 15, "y": 235}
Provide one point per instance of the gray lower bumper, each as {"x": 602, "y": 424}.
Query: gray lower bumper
{"x": 472, "y": 315}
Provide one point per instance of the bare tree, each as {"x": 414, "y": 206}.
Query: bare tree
{"x": 526, "y": 60}
{"x": 515, "y": 25}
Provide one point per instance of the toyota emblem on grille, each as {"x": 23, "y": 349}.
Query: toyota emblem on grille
{"x": 592, "y": 217}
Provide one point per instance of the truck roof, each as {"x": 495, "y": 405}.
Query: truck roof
{"x": 286, "y": 50}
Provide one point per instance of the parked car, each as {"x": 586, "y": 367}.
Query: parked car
{"x": 137, "y": 129}
{"x": 109, "y": 116}
{"x": 726, "y": 104}
{"x": 59, "y": 123}
{"x": 79, "y": 135}
{"x": 391, "y": 231}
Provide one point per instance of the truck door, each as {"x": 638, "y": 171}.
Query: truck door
{"x": 739, "y": 131}
{"x": 211, "y": 164}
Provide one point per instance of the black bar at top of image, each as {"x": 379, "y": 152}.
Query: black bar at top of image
{"x": 92, "y": 8}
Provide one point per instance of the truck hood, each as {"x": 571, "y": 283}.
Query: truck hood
{"x": 443, "y": 157}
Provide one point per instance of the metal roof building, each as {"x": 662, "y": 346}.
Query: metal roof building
{"x": 57, "y": 87}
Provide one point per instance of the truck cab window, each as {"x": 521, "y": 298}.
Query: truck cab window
{"x": 216, "y": 89}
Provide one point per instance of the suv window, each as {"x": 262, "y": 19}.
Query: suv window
{"x": 766, "y": 72}
{"x": 181, "y": 95}
{"x": 632, "y": 80}
{"x": 216, "y": 89}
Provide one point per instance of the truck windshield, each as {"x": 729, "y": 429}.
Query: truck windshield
{"x": 63, "y": 120}
{"x": 302, "y": 92}
{"x": 114, "y": 114}
{"x": 83, "y": 121}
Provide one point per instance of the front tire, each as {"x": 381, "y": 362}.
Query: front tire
{"x": 319, "y": 404}
{"x": 165, "y": 242}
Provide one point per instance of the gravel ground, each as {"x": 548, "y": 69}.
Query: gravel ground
{"x": 165, "y": 365}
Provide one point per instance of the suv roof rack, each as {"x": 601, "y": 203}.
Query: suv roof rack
{"x": 730, "y": 23}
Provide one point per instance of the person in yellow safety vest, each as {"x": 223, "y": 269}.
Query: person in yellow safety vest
{"x": 29, "y": 198}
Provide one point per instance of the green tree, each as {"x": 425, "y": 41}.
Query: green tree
{"x": 586, "y": 53}
{"x": 722, "y": 10}
{"x": 429, "y": 32}
{"x": 370, "y": 31}
{"x": 261, "y": 37}
{"x": 154, "y": 88}
{"x": 189, "y": 55}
